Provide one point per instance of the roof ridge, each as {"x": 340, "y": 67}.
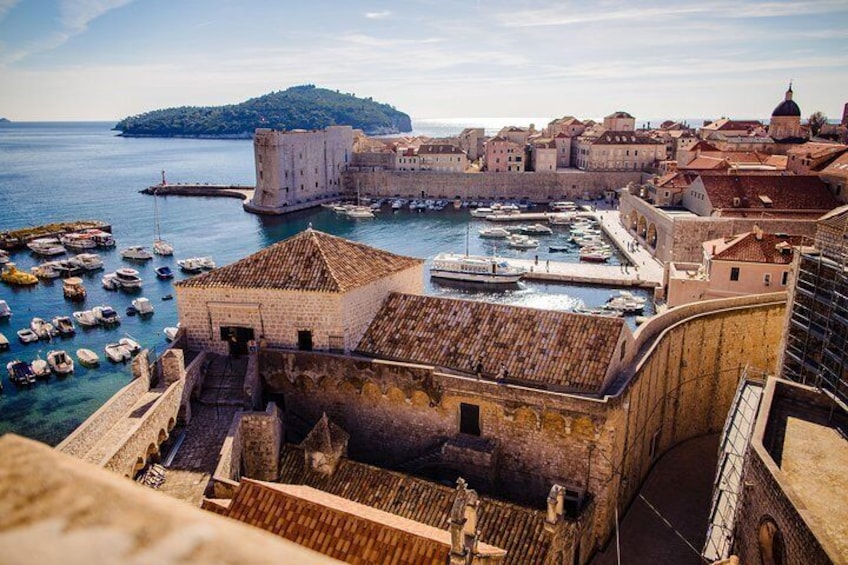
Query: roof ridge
{"x": 324, "y": 259}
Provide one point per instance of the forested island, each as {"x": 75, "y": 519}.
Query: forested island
{"x": 299, "y": 107}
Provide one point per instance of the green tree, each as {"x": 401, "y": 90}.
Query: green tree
{"x": 817, "y": 120}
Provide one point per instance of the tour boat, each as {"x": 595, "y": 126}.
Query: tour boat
{"x": 46, "y": 246}
{"x": 42, "y": 328}
{"x": 73, "y": 289}
{"x": 106, "y": 315}
{"x": 60, "y": 362}
{"x": 562, "y": 206}
{"x": 164, "y": 272}
{"x": 472, "y": 268}
{"x": 64, "y": 325}
{"x": 100, "y": 238}
{"x": 4, "y": 343}
{"x": 87, "y": 261}
{"x": 625, "y": 302}
{"x": 45, "y": 271}
{"x": 87, "y": 357}
{"x": 191, "y": 265}
{"x": 560, "y": 219}
{"x": 85, "y": 318}
{"x": 13, "y": 276}
{"x": 494, "y": 233}
{"x": 77, "y": 241}
{"x": 128, "y": 279}
{"x": 130, "y": 344}
{"x": 536, "y": 229}
{"x": 117, "y": 352}
{"x": 171, "y": 333}
{"x": 40, "y": 368}
{"x": 143, "y": 306}
{"x": 26, "y": 335}
{"x": 136, "y": 253}
{"x": 522, "y": 242}
{"x": 5, "y": 311}
{"x": 20, "y": 372}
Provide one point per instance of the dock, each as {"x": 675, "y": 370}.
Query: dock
{"x": 241, "y": 191}
{"x": 17, "y": 239}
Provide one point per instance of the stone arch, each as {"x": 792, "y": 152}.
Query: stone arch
{"x": 171, "y": 423}
{"x": 634, "y": 220}
{"x": 526, "y": 418}
{"x": 345, "y": 387}
{"x": 163, "y": 435}
{"x": 371, "y": 390}
{"x": 770, "y": 541}
{"x": 395, "y": 395}
{"x": 152, "y": 451}
{"x": 583, "y": 428}
{"x": 651, "y": 238}
{"x": 555, "y": 423}
{"x": 138, "y": 466}
{"x": 420, "y": 399}
{"x": 642, "y": 227}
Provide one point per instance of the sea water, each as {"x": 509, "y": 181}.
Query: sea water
{"x": 69, "y": 171}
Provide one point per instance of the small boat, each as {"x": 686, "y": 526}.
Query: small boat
{"x": 42, "y": 328}
{"x": 168, "y": 297}
{"x": 87, "y": 261}
{"x": 191, "y": 265}
{"x": 625, "y": 302}
{"x": 360, "y": 212}
{"x": 20, "y": 372}
{"x": 73, "y": 289}
{"x": 171, "y": 333}
{"x": 4, "y": 258}
{"x": 143, "y": 306}
{"x": 494, "y": 233}
{"x": 64, "y": 267}
{"x": 79, "y": 241}
{"x": 64, "y": 325}
{"x": 46, "y": 246}
{"x": 482, "y": 212}
{"x": 130, "y": 344}
{"x": 13, "y": 276}
{"x": 560, "y": 219}
{"x": 162, "y": 247}
{"x": 5, "y": 311}
{"x": 45, "y": 271}
{"x": 131, "y": 311}
{"x": 164, "y": 272}
{"x": 136, "y": 253}
{"x": 117, "y": 353}
{"x": 85, "y": 318}
{"x": 87, "y": 357}
{"x": 593, "y": 256}
{"x": 559, "y": 248}
{"x": 536, "y": 229}
{"x": 40, "y": 368}
{"x": 110, "y": 281}
{"x": 101, "y": 238}
{"x": 106, "y": 315}
{"x": 522, "y": 242}
{"x": 128, "y": 279}
{"x": 206, "y": 262}
{"x": 60, "y": 362}
{"x": 26, "y": 335}
{"x": 4, "y": 343}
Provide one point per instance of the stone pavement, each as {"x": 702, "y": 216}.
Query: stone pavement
{"x": 189, "y": 473}
{"x": 680, "y": 488}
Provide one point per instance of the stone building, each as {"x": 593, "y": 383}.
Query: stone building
{"x": 296, "y": 169}
{"x": 504, "y": 156}
{"x": 810, "y": 157}
{"x": 569, "y": 126}
{"x": 614, "y": 150}
{"x": 620, "y": 121}
{"x": 785, "y": 123}
{"x": 442, "y": 157}
{"x": 543, "y": 155}
{"x": 472, "y": 140}
{"x": 311, "y": 291}
{"x": 835, "y": 175}
{"x": 407, "y": 159}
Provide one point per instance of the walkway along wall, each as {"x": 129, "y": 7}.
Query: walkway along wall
{"x": 679, "y": 385}
{"x": 538, "y": 187}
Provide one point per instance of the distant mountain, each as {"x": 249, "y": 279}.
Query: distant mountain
{"x": 299, "y": 107}
{"x": 5, "y": 121}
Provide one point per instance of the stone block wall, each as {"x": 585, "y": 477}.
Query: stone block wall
{"x": 536, "y": 186}
{"x": 252, "y": 447}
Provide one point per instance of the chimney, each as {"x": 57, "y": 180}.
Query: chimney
{"x": 758, "y": 233}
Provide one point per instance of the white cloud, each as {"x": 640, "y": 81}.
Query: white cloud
{"x": 6, "y": 6}
{"x": 378, "y": 15}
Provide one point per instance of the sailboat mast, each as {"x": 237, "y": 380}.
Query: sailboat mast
{"x": 467, "y": 230}
{"x": 157, "y": 234}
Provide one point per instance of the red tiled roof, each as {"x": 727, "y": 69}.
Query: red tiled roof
{"x": 309, "y": 261}
{"x": 838, "y": 166}
{"x": 517, "y": 529}
{"x": 676, "y": 180}
{"x": 703, "y": 146}
{"x": 837, "y": 218}
{"x": 749, "y": 249}
{"x": 541, "y": 348}
{"x": 786, "y": 192}
{"x": 338, "y": 527}
{"x": 705, "y": 163}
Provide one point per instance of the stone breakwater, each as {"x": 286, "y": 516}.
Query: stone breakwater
{"x": 17, "y": 239}
{"x": 244, "y": 192}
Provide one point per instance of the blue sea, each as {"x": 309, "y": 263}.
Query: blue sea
{"x": 68, "y": 171}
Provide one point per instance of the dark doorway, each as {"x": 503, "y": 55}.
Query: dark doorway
{"x": 304, "y": 340}
{"x": 237, "y": 338}
{"x": 469, "y": 419}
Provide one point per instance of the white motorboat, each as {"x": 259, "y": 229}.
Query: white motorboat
{"x": 518, "y": 241}
{"x": 494, "y": 233}
{"x": 79, "y": 241}
{"x": 4, "y": 256}
{"x": 110, "y": 281}
{"x": 20, "y": 372}
{"x": 5, "y": 311}
{"x": 26, "y": 335}
{"x": 45, "y": 271}
{"x": 46, "y": 246}
{"x": 60, "y": 362}
{"x": 87, "y": 261}
{"x": 625, "y": 302}
{"x": 563, "y": 206}
{"x": 594, "y": 256}
{"x": 106, "y": 315}
{"x": 143, "y": 306}
{"x": 360, "y": 212}
{"x": 482, "y": 212}
{"x": 4, "y": 342}
{"x": 85, "y": 318}
{"x": 536, "y": 229}
{"x": 171, "y": 333}
{"x": 560, "y": 219}
{"x": 191, "y": 265}
{"x": 136, "y": 253}
{"x": 206, "y": 262}
{"x": 87, "y": 357}
{"x": 130, "y": 344}
{"x": 101, "y": 238}
{"x": 42, "y": 328}
{"x": 472, "y": 268}
{"x": 117, "y": 352}
{"x": 40, "y": 368}
{"x": 73, "y": 289}
{"x": 64, "y": 325}
{"x": 128, "y": 279}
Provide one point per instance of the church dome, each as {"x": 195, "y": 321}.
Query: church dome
{"x": 788, "y": 107}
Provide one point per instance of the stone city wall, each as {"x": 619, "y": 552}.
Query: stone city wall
{"x": 252, "y": 447}
{"x": 194, "y": 376}
{"x": 535, "y": 186}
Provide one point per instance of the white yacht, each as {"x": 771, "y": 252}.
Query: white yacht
{"x": 117, "y": 352}
{"x": 110, "y": 281}
{"x": 87, "y": 261}
{"x": 190, "y": 265}
{"x": 494, "y": 233}
{"x": 171, "y": 332}
{"x": 101, "y": 238}
{"x": 77, "y": 241}
{"x": 128, "y": 278}
{"x": 360, "y": 212}
{"x": 482, "y": 212}
{"x": 136, "y": 253}
{"x": 5, "y": 311}
{"x": 536, "y": 229}
{"x": 85, "y": 318}
{"x": 472, "y": 268}
{"x": 106, "y": 315}
{"x": 143, "y": 306}
{"x": 130, "y": 344}
{"x": 45, "y": 271}
{"x": 206, "y": 262}
{"x": 46, "y": 246}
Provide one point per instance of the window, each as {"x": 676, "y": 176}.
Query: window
{"x": 469, "y": 419}
{"x": 784, "y": 278}
{"x": 767, "y": 279}
{"x": 734, "y": 273}
{"x": 304, "y": 340}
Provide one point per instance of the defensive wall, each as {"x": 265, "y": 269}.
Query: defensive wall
{"x": 536, "y": 186}
{"x": 678, "y": 385}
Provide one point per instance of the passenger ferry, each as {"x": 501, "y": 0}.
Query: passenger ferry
{"x": 473, "y": 268}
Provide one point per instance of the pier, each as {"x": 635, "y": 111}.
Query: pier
{"x": 17, "y": 239}
{"x": 241, "y": 191}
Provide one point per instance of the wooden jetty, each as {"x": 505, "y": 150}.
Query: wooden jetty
{"x": 16, "y": 239}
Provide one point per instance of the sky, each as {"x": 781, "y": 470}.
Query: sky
{"x": 107, "y": 59}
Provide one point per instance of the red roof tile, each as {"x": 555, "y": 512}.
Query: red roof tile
{"x": 771, "y": 248}
{"x": 787, "y": 192}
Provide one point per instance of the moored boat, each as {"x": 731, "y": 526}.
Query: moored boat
{"x": 73, "y": 289}
{"x": 101, "y": 238}
{"x": 60, "y": 362}
{"x": 5, "y": 311}
{"x": 42, "y": 328}
{"x": 518, "y": 241}
{"x": 136, "y": 253}
{"x": 171, "y": 333}
{"x": 117, "y": 352}
{"x": 78, "y": 241}
{"x": 206, "y": 262}
{"x": 494, "y": 233}
{"x": 191, "y": 265}
{"x": 87, "y": 261}
{"x": 13, "y": 276}
{"x": 164, "y": 272}
{"x": 128, "y": 279}
{"x": 472, "y": 268}
{"x": 536, "y": 229}
{"x": 130, "y": 344}
{"x": 87, "y": 357}
{"x": 143, "y": 306}
{"x": 46, "y": 246}
{"x": 106, "y": 315}
{"x": 40, "y": 368}
{"x": 26, "y": 335}
{"x": 85, "y": 318}
{"x": 20, "y": 372}
{"x": 4, "y": 342}
{"x": 45, "y": 271}
{"x": 594, "y": 256}
{"x": 4, "y": 256}
{"x": 64, "y": 325}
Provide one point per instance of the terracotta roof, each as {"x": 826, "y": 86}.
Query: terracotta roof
{"x": 837, "y": 218}
{"x": 541, "y": 348}
{"x": 725, "y": 124}
{"x": 838, "y": 166}
{"x": 703, "y": 146}
{"x": 517, "y": 529}
{"x": 676, "y": 179}
{"x": 706, "y": 163}
{"x": 309, "y": 261}
{"x": 749, "y": 249}
{"x": 338, "y": 527}
{"x": 786, "y": 192}
{"x": 432, "y": 149}
{"x": 624, "y": 138}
